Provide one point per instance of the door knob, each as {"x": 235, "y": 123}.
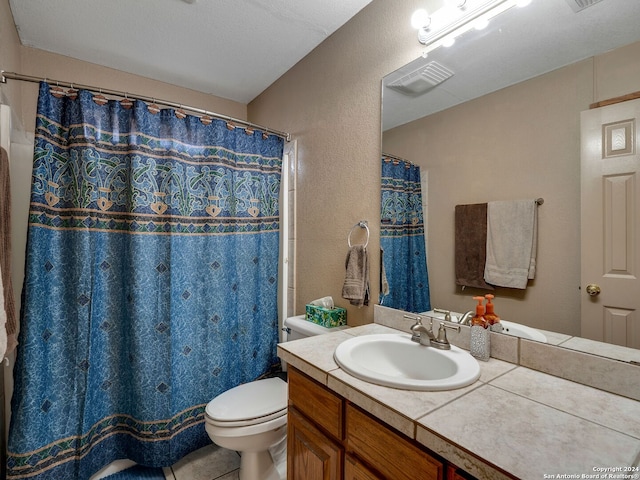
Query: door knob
{"x": 593, "y": 289}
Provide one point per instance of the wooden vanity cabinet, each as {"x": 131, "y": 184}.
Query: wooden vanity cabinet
{"x": 331, "y": 439}
{"x": 310, "y": 453}
{"x": 315, "y": 430}
{"x": 356, "y": 470}
{"x": 317, "y": 402}
{"x": 391, "y": 454}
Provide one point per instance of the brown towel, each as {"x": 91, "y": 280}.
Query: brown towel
{"x": 5, "y": 250}
{"x": 356, "y": 281}
{"x": 470, "y": 245}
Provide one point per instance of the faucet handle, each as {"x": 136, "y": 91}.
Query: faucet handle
{"x": 441, "y": 341}
{"x": 415, "y": 318}
{"x": 447, "y": 313}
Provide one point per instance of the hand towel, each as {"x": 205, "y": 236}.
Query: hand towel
{"x": 471, "y": 245}
{"x": 512, "y": 228}
{"x": 5, "y": 251}
{"x": 356, "y": 281}
{"x": 384, "y": 282}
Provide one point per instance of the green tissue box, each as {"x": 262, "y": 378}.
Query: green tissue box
{"x": 335, "y": 317}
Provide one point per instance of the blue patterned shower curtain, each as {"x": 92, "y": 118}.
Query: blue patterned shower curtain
{"x": 151, "y": 282}
{"x": 402, "y": 238}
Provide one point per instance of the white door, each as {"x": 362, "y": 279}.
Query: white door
{"x": 610, "y": 224}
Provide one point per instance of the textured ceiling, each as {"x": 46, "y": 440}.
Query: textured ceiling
{"x": 237, "y": 48}
{"x": 520, "y": 44}
{"x": 230, "y": 48}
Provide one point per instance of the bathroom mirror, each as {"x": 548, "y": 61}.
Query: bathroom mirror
{"x": 506, "y": 125}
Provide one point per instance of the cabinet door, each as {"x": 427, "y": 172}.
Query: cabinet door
{"x": 317, "y": 402}
{"x": 311, "y": 455}
{"x": 394, "y": 456}
{"x": 454, "y": 473}
{"x": 355, "y": 470}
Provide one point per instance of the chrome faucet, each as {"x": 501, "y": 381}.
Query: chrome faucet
{"x": 466, "y": 318}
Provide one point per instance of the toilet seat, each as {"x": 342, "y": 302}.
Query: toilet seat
{"x": 249, "y": 404}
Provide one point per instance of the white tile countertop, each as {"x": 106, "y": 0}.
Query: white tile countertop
{"x": 512, "y": 422}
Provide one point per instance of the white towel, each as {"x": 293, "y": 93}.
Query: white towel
{"x": 512, "y": 231}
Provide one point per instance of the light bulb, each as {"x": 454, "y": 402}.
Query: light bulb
{"x": 481, "y": 24}
{"x": 447, "y": 42}
{"x": 420, "y": 19}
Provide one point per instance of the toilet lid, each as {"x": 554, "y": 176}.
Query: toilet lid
{"x": 260, "y": 398}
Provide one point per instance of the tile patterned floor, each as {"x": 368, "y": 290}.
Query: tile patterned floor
{"x": 208, "y": 463}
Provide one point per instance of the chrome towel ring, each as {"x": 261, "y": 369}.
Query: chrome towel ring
{"x": 361, "y": 224}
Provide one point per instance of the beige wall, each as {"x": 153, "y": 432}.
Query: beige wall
{"x": 49, "y": 65}
{"x": 9, "y": 55}
{"x": 44, "y": 64}
{"x": 330, "y": 102}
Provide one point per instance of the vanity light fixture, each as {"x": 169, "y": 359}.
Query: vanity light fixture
{"x": 456, "y": 17}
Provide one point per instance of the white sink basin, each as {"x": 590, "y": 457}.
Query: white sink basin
{"x": 522, "y": 331}
{"x": 395, "y": 361}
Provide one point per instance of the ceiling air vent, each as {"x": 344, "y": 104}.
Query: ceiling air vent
{"x": 579, "y": 5}
{"x": 422, "y": 80}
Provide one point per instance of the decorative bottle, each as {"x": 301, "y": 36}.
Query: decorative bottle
{"x": 490, "y": 316}
{"x": 480, "y": 345}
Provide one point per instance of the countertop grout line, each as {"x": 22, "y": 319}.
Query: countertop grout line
{"x": 414, "y": 420}
{"x": 465, "y": 450}
{"x": 374, "y": 400}
{"x": 476, "y": 387}
{"x": 539, "y": 402}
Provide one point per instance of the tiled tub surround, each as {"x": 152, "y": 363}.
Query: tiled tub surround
{"x": 513, "y": 422}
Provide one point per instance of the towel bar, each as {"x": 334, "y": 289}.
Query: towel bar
{"x": 361, "y": 224}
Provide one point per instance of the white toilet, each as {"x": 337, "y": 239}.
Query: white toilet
{"x": 252, "y": 418}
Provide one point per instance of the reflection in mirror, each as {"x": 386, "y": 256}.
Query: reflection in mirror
{"x": 405, "y": 281}
{"x": 506, "y": 125}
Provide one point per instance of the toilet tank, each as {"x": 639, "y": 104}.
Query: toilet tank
{"x": 297, "y": 327}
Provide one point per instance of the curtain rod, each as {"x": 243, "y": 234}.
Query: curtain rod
{"x": 394, "y": 157}
{"x": 28, "y": 78}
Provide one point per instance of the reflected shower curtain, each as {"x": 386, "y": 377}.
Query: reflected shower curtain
{"x": 151, "y": 282}
{"x": 402, "y": 238}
